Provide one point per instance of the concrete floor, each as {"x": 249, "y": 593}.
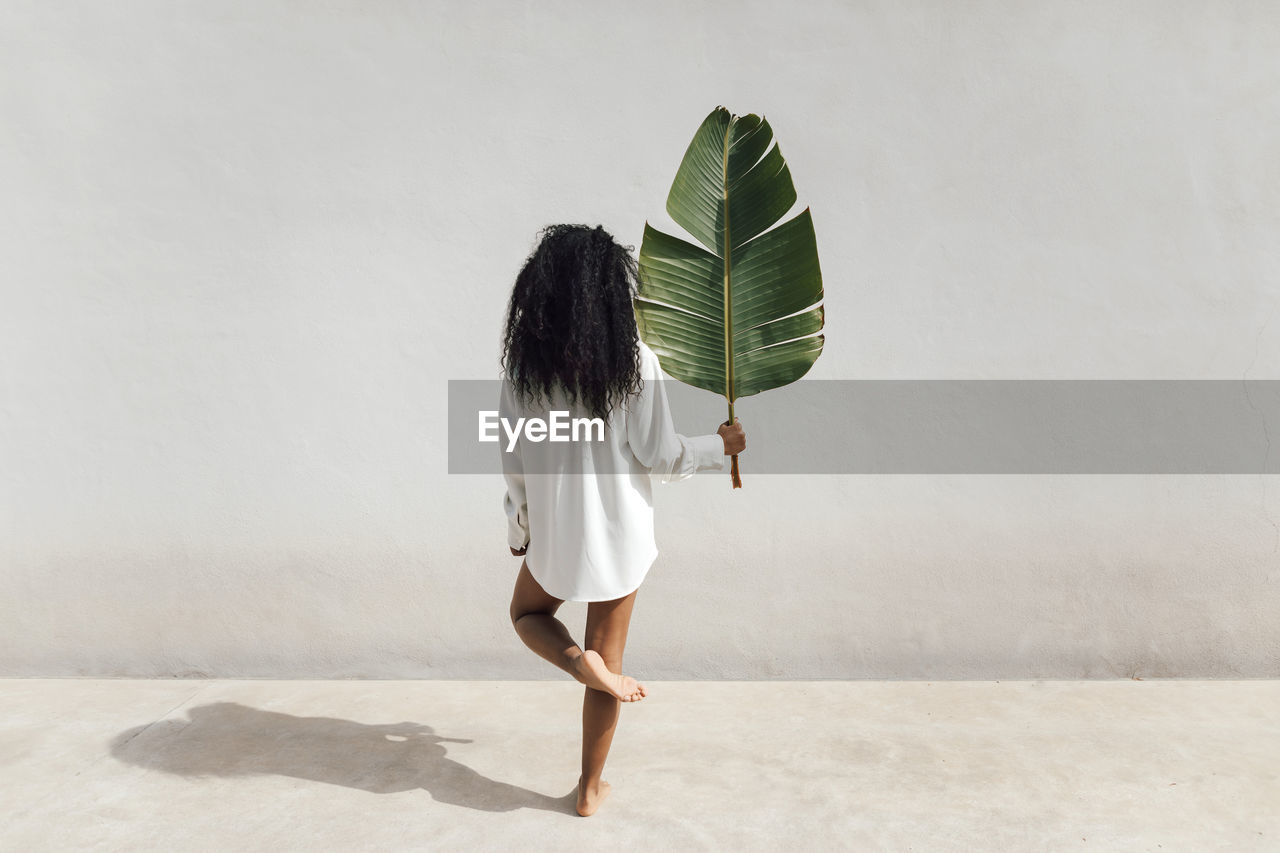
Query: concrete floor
{"x": 125, "y": 764}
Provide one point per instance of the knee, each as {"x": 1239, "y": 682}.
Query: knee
{"x": 518, "y": 612}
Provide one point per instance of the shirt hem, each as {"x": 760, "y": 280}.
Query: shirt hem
{"x": 644, "y": 574}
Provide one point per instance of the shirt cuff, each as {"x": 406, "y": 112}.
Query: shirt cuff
{"x": 517, "y": 536}
{"x": 709, "y": 452}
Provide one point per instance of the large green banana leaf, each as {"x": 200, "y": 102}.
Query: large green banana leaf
{"x": 740, "y": 313}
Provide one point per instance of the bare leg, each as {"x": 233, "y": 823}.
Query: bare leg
{"x": 533, "y": 615}
{"x": 606, "y": 634}
{"x": 599, "y": 668}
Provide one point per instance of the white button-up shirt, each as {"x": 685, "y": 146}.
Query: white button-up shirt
{"x": 584, "y": 509}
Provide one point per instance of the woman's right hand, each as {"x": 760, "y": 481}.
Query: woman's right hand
{"x": 735, "y": 440}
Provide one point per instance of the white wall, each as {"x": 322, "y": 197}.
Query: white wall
{"x": 246, "y": 244}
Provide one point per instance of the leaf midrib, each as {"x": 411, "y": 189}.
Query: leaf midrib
{"x": 728, "y": 297}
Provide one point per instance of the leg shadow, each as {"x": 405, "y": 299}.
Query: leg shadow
{"x": 229, "y": 739}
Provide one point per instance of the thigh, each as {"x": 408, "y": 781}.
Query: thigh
{"x": 607, "y": 623}
{"x": 530, "y": 597}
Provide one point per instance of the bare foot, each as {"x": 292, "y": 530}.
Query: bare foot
{"x": 589, "y": 799}
{"x": 592, "y": 672}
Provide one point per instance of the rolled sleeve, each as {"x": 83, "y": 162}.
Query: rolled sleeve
{"x": 515, "y": 503}
{"x": 517, "y": 523}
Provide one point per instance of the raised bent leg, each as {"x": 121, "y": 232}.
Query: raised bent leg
{"x": 606, "y": 635}
{"x": 533, "y": 612}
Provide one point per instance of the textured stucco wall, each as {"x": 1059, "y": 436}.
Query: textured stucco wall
{"x": 245, "y": 245}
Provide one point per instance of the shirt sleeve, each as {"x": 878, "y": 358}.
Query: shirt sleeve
{"x": 652, "y": 437}
{"x": 515, "y": 503}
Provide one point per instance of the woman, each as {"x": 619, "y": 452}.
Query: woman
{"x": 581, "y": 512}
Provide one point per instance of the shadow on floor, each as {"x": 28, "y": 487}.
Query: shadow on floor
{"x": 229, "y": 739}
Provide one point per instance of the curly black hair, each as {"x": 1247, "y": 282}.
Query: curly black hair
{"x": 570, "y": 321}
